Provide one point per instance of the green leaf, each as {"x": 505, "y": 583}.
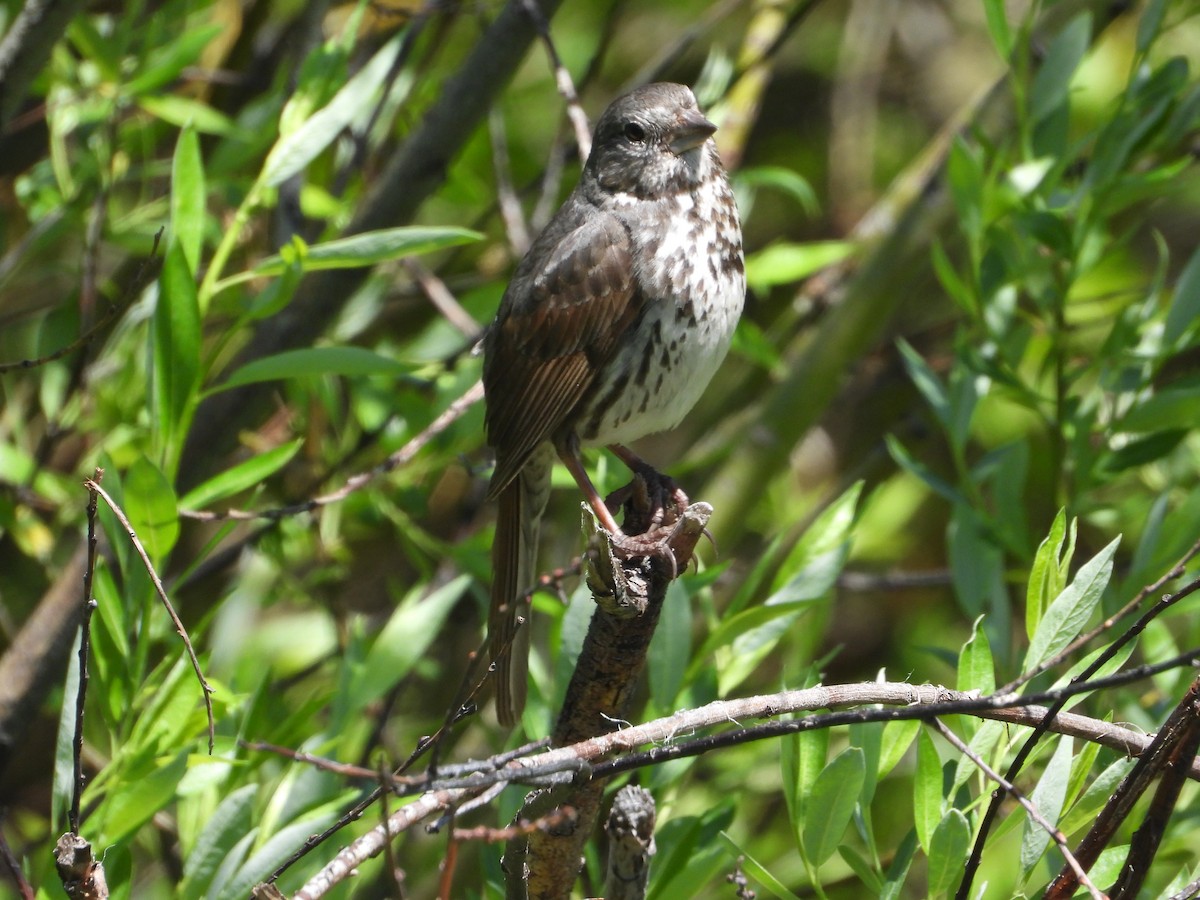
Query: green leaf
{"x": 909, "y": 463}
{"x": 357, "y": 251}
{"x": 756, "y": 870}
{"x": 976, "y": 670}
{"x": 689, "y": 853}
{"x": 926, "y": 382}
{"x": 164, "y": 64}
{"x": 1175, "y": 407}
{"x": 1070, "y": 611}
{"x": 404, "y": 639}
{"x": 670, "y": 647}
{"x": 786, "y": 263}
{"x": 151, "y": 509}
{"x": 997, "y": 23}
{"x": 976, "y": 564}
{"x": 784, "y": 180}
{"x": 176, "y": 348}
{"x": 898, "y": 871}
{"x": 184, "y": 111}
{"x": 274, "y": 851}
{"x": 231, "y": 820}
{"x": 345, "y": 361}
{"x": 244, "y": 475}
{"x": 1047, "y": 797}
{"x": 897, "y": 738}
{"x": 1144, "y": 450}
{"x": 142, "y": 795}
{"x": 1185, "y": 304}
{"x": 187, "y": 197}
{"x": 862, "y": 867}
{"x": 1063, "y": 57}
{"x": 927, "y": 791}
{"x": 948, "y": 852}
{"x": 1044, "y": 578}
{"x": 357, "y": 97}
{"x": 1150, "y": 24}
{"x": 743, "y": 641}
{"x": 832, "y": 803}
{"x": 802, "y": 758}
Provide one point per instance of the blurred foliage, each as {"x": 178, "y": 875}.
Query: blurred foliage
{"x": 997, "y": 203}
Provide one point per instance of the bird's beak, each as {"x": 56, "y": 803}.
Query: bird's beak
{"x": 692, "y": 131}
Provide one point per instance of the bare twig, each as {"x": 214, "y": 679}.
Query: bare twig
{"x": 355, "y": 482}
{"x": 89, "y": 335}
{"x": 566, "y": 87}
{"x": 1176, "y": 571}
{"x": 1173, "y": 748}
{"x": 14, "y": 867}
{"x": 440, "y": 296}
{"x": 506, "y": 195}
{"x": 1035, "y": 814}
{"x": 557, "y": 818}
{"x": 1027, "y": 748}
{"x": 206, "y": 689}
{"x": 89, "y": 606}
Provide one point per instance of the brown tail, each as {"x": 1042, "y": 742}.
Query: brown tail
{"x": 514, "y": 569}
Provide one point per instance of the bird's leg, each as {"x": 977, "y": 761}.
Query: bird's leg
{"x": 568, "y": 452}
{"x": 627, "y": 545}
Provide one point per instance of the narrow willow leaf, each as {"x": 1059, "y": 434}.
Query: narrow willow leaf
{"x": 832, "y": 804}
{"x": 927, "y": 790}
{"x": 948, "y": 852}
{"x": 231, "y": 820}
{"x": 1070, "y": 611}
{"x": 242, "y": 476}
{"x": 1047, "y": 797}
{"x": 756, "y": 870}
{"x": 1043, "y": 575}
{"x": 976, "y": 670}
{"x": 297, "y": 149}
{"x": 786, "y": 263}
{"x": 176, "y": 347}
{"x": 344, "y": 361}
{"x": 1053, "y": 79}
{"x": 1185, "y": 304}
{"x": 187, "y": 197}
{"x": 151, "y": 509}
{"x": 403, "y": 640}
{"x": 997, "y": 23}
{"x": 356, "y": 251}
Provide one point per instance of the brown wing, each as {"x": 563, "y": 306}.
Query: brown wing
{"x": 560, "y": 321}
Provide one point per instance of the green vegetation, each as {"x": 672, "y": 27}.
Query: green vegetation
{"x": 245, "y": 250}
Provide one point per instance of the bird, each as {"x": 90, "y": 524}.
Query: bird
{"x": 611, "y": 327}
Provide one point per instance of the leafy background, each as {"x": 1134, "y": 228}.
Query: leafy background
{"x": 970, "y": 234}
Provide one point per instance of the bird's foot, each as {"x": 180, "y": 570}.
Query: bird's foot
{"x": 652, "y": 503}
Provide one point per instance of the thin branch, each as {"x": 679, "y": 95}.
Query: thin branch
{"x": 89, "y": 606}
{"x": 1174, "y": 745}
{"x": 401, "y": 457}
{"x": 1176, "y": 571}
{"x": 1034, "y": 813}
{"x": 563, "y": 816}
{"x": 135, "y": 286}
{"x": 511, "y": 213}
{"x": 1027, "y": 748}
{"x": 206, "y": 689}
{"x": 566, "y": 87}
{"x": 14, "y": 867}
{"x": 441, "y": 297}
{"x": 564, "y": 764}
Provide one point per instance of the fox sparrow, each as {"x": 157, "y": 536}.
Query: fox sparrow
{"x": 611, "y": 328}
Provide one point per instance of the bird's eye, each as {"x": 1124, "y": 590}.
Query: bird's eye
{"x": 635, "y": 132}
